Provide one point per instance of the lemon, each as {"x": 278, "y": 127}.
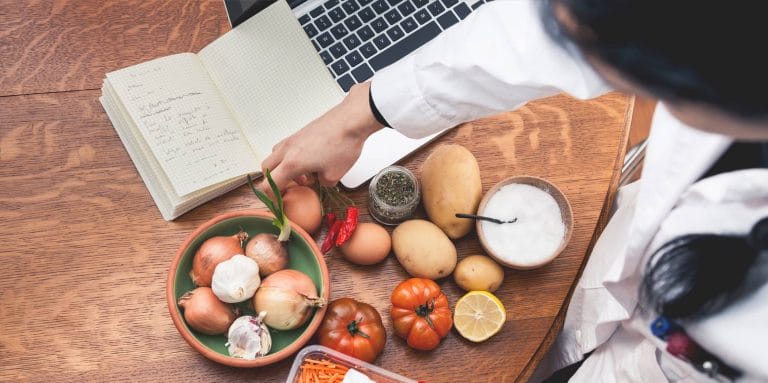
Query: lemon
{"x": 479, "y": 315}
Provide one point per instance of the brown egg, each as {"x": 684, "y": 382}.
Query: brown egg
{"x": 369, "y": 244}
{"x": 302, "y": 206}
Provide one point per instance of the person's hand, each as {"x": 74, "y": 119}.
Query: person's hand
{"x": 327, "y": 146}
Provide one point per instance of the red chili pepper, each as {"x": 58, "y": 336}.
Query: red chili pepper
{"x": 350, "y": 223}
{"x": 330, "y": 218}
{"x": 679, "y": 344}
{"x": 331, "y": 236}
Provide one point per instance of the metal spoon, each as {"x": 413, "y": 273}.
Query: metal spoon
{"x": 480, "y": 217}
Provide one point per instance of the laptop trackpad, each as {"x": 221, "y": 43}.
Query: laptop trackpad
{"x": 382, "y": 149}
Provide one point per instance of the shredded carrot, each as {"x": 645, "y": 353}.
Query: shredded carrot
{"x": 321, "y": 371}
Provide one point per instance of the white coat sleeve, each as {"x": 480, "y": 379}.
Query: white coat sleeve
{"x": 495, "y": 60}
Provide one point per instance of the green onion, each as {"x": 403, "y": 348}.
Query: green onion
{"x": 281, "y": 221}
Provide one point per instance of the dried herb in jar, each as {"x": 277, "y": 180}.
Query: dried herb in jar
{"x": 395, "y": 188}
{"x": 393, "y": 195}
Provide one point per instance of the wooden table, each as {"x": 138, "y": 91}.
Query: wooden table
{"x": 87, "y": 252}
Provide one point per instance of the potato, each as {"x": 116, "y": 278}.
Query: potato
{"x": 450, "y": 182}
{"x": 478, "y": 273}
{"x": 423, "y": 249}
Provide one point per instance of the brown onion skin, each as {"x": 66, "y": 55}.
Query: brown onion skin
{"x": 287, "y": 282}
{"x": 268, "y": 252}
{"x": 206, "y": 313}
{"x": 302, "y": 281}
{"x": 212, "y": 252}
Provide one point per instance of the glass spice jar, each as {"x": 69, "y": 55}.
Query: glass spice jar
{"x": 393, "y": 195}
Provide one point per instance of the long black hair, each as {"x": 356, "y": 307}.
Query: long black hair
{"x": 697, "y": 275}
{"x": 703, "y": 51}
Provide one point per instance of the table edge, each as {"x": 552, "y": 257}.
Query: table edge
{"x": 602, "y": 221}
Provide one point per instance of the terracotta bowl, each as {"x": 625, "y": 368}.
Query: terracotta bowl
{"x": 304, "y": 255}
{"x": 565, "y": 212}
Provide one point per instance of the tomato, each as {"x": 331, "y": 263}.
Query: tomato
{"x": 420, "y": 313}
{"x": 353, "y": 328}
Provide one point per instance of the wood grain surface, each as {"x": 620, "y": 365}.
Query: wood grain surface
{"x": 87, "y": 251}
{"x": 55, "y": 46}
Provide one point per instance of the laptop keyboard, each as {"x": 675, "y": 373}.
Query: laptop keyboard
{"x": 356, "y": 38}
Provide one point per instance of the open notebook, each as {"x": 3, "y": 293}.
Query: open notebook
{"x": 196, "y": 124}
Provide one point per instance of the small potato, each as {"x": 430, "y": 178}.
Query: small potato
{"x": 478, "y": 273}
{"x": 423, "y": 249}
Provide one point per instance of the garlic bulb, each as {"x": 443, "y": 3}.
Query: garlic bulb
{"x": 248, "y": 337}
{"x": 236, "y": 279}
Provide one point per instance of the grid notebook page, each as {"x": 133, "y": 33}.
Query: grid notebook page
{"x": 271, "y": 76}
{"x": 181, "y": 116}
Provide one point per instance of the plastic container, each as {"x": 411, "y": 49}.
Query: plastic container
{"x": 377, "y": 374}
{"x": 390, "y": 214}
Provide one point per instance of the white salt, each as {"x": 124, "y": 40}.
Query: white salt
{"x": 539, "y": 229}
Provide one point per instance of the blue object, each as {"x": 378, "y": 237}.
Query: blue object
{"x": 660, "y": 327}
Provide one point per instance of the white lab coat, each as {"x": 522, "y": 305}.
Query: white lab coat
{"x": 499, "y": 58}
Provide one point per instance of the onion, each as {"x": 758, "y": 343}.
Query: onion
{"x": 288, "y": 297}
{"x": 268, "y": 252}
{"x": 212, "y": 252}
{"x": 204, "y": 313}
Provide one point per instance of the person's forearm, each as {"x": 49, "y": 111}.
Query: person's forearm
{"x": 496, "y": 60}
{"x": 364, "y": 121}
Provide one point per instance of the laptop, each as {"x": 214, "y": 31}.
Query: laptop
{"x": 356, "y": 38}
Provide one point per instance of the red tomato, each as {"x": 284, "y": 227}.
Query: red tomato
{"x": 420, "y": 313}
{"x": 353, "y": 328}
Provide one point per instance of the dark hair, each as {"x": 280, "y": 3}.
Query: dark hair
{"x": 697, "y": 275}
{"x": 695, "y": 50}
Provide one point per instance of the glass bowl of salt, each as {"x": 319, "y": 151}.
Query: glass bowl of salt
{"x": 538, "y": 222}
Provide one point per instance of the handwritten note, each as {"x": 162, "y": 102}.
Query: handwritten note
{"x": 184, "y": 121}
